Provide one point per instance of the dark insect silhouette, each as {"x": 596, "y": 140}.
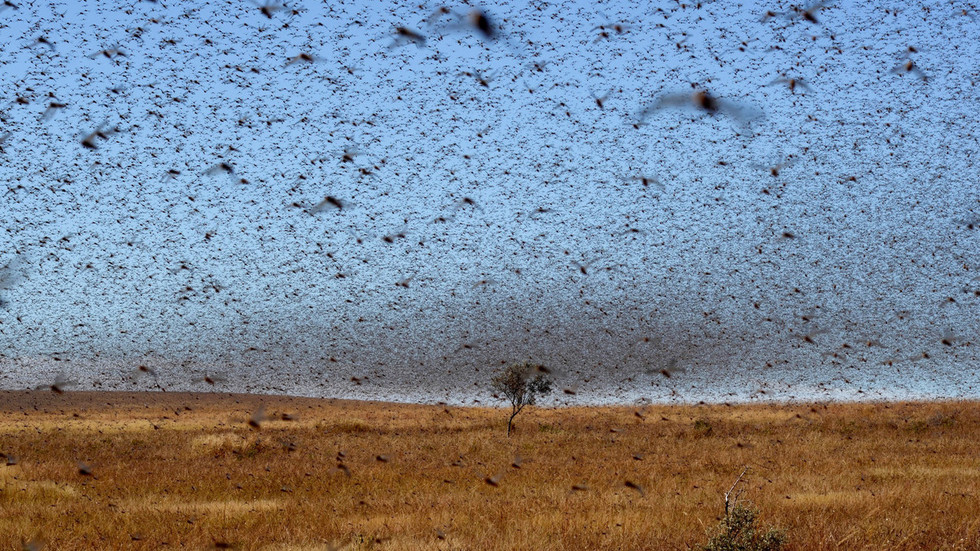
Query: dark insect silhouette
{"x": 61, "y": 383}
{"x": 791, "y": 83}
{"x": 809, "y": 14}
{"x": 437, "y": 15}
{"x": 301, "y": 58}
{"x": 148, "y": 370}
{"x": 700, "y": 100}
{"x": 88, "y": 142}
{"x": 222, "y": 167}
{"x": 481, "y": 22}
{"x": 269, "y": 9}
{"x": 257, "y": 417}
{"x": 634, "y": 486}
{"x": 53, "y": 108}
{"x": 109, "y": 53}
{"x": 170, "y": 175}
{"x": 329, "y": 201}
{"x": 391, "y": 237}
{"x": 776, "y": 169}
{"x": 908, "y": 66}
{"x": 407, "y": 35}
{"x": 646, "y": 181}
{"x": 485, "y": 82}
{"x": 601, "y": 101}
{"x": 44, "y": 42}
{"x": 605, "y": 30}
{"x": 769, "y": 15}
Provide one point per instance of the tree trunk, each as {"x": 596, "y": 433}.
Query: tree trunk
{"x": 514, "y": 411}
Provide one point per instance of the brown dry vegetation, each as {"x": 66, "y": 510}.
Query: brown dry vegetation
{"x": 186, "y": 470}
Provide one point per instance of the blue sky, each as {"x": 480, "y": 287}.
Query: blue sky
{"x": 491, "y": 210}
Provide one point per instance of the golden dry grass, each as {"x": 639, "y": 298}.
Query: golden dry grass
{"x": 187, "y": 471}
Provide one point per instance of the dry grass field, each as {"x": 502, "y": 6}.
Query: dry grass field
{"x": 151, "y": 471}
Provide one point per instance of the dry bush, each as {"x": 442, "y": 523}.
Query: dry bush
{"x": 737, "y": 532}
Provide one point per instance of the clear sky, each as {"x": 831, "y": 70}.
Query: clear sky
{"x": 306, "y": 199}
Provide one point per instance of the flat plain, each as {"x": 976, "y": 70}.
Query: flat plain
{"x": 91, "y": 470}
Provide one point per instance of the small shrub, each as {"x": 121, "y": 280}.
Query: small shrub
{"x": 918, "y": 426}
{"x": 251, "y": 449}
{"x": 350, "y": 426}
{"x": 737, "y": 532}
{"x": 702, "y": 428}
{"x": 941, "y": 419}
{"x": 228, "y": 443}
{"x": 847, "y": 428}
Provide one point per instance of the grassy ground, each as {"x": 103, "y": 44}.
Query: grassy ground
{"x": 145, "y": 471}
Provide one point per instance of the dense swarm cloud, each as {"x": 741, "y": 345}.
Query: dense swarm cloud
{"x": 673, "y": 201}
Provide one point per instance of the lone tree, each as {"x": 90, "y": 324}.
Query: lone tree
{"x": 517, "y": 386}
